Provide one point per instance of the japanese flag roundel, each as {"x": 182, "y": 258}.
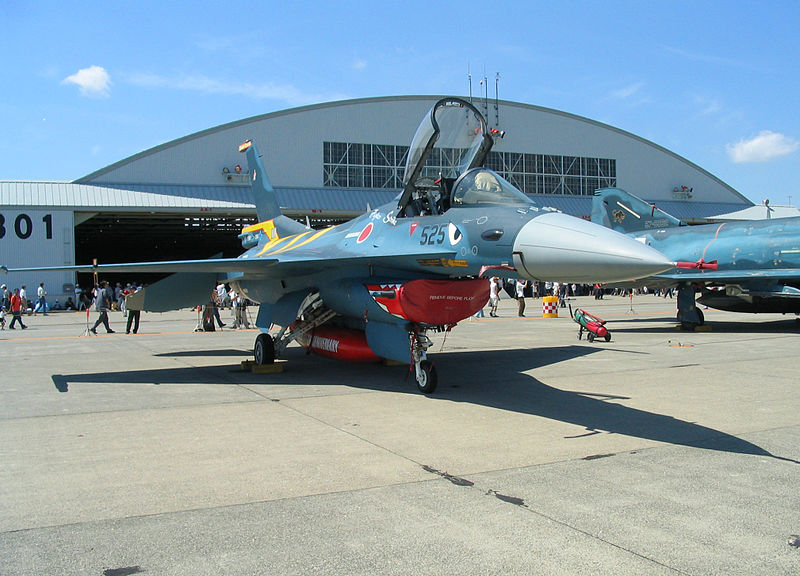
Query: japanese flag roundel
{"x": 454, "y": 234}
{"x": 364, "y": 233}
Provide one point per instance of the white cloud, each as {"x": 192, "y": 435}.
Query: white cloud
{"x": 627, "y": 91}
{"x": 762, "y": 148}
{"x": 93, "y": 81}
{"x": 359, "y": 64}
{"x": 265, "y": 91}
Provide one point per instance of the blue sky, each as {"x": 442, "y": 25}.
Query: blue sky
{"x": 85, "y": 84}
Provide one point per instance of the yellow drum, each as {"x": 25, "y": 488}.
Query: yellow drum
{"x": 550, "y": 307}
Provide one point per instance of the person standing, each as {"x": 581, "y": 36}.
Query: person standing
{"x": 521, "y": 285}
{"x": 16, "y": 310}
{"x": 133, "y": 315}
{"x": 216, "y": 302}
{"x": 494, "y": 296}
{"x": 41, "y": 300}
{"x": 23, "y": 295}
{"x": 102, "y": 304}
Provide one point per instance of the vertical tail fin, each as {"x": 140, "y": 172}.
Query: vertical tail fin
{"x": 263, "y": 193}
{"x": 614, "y": 208}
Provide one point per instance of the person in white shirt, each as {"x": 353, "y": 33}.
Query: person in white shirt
{"x": 41, "y": 300}
{"x": 521, "y": 285}
{"x": 494, "y": 295}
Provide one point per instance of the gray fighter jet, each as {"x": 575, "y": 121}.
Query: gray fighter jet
{"x": 751, "y": 266}
{"x": 376, "y": 286}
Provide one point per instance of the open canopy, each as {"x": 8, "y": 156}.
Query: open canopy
{"x": 451, "y": 139}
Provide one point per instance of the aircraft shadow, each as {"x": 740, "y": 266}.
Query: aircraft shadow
{"x": 493, "y": 378}
{"x": 513, "y": 390}
{"x": 205, "y": 353}
{"x": 778, "y": 326}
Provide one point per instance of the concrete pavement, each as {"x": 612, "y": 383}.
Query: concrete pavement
{"x": 660, "y": 452}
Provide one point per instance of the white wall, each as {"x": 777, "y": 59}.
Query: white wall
{"x": 291, "y": 143}
{"x": 37, "y": 238}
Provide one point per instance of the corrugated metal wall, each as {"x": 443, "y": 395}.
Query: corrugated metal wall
{"x": 37, "y": 238}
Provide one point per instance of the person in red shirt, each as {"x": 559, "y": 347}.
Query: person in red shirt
{"x": 16, "y": 310}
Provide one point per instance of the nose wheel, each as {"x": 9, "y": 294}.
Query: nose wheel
{"x": 426, "y": 377}
{"x": 424, "y": 370}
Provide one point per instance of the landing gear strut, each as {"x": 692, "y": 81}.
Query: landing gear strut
{"x": 312, "y": 313}
{"x": 424, "y": 370}
{"x": 688, "y": 314}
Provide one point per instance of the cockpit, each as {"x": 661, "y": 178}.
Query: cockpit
{"x": 444, "y": 168}
{"x": 483, "y": 186}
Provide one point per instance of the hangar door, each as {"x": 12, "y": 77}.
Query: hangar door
{"x": 139, "y": 237}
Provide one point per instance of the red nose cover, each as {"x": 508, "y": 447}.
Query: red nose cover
{"x": 442, "y": 302}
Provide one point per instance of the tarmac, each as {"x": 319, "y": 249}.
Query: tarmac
{"x": 659, "y": 452}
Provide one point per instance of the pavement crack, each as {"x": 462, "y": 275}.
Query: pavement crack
{"x": 454, "y": 479}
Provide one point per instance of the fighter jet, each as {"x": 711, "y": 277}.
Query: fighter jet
{"x": 751, "y": 266}
{"x": 376, "y": 286}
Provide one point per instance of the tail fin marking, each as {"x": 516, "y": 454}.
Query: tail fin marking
{"x": 622, "y": 211}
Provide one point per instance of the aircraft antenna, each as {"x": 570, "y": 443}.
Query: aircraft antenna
{"x": 497, "y": 99}
{"x": 485, "y": 84}
{"x": 469, "y": 80}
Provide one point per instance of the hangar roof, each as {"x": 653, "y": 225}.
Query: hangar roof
{"x": 86, "y": 196}
{"x": 237, "y": 199}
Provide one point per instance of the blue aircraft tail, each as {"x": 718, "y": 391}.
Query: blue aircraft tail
{"x": 267, "y": 207}
{"x": 263, "y": 193}
{"x": 614, "y": 208}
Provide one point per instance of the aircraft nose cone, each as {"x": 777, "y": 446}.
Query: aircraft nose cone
{"x": 555, "y": 246}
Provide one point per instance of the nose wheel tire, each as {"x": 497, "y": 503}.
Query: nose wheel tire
{"x": 264, "y": 349}
{"x": 427, "y": 380}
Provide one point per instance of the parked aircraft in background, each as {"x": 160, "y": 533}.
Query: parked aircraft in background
{"x": 376, "y": 286}
{"x": 750, "y": 266}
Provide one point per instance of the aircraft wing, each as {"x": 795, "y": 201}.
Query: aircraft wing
{"x": 219, "y": 265}
{"x": 279, "y": 266}
{"x": 730, "y": 276}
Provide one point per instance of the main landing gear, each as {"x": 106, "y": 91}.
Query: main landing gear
{"x": 264, "y": 349}
{"x": 689, "y": 315}
{"x": 424, "y": 370}
{"x": 312, "y": 313}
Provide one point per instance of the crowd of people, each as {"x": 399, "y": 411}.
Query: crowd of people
{"x": 519, "y": 290}
{"x": 223, "y": 296}
{"x": 104, "y": 298}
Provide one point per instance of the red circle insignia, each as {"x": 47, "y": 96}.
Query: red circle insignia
{"x": 365, "y": 233}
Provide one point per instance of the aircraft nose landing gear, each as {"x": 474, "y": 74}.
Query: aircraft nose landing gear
{"x": 424, "y": 370}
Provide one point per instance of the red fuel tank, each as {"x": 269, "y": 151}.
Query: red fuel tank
{"x": 340, "y": 343}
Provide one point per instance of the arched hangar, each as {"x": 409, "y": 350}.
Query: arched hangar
{"x": 190, "y": 197}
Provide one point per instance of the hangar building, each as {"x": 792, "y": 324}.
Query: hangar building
{"x": 189, "y": 198}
